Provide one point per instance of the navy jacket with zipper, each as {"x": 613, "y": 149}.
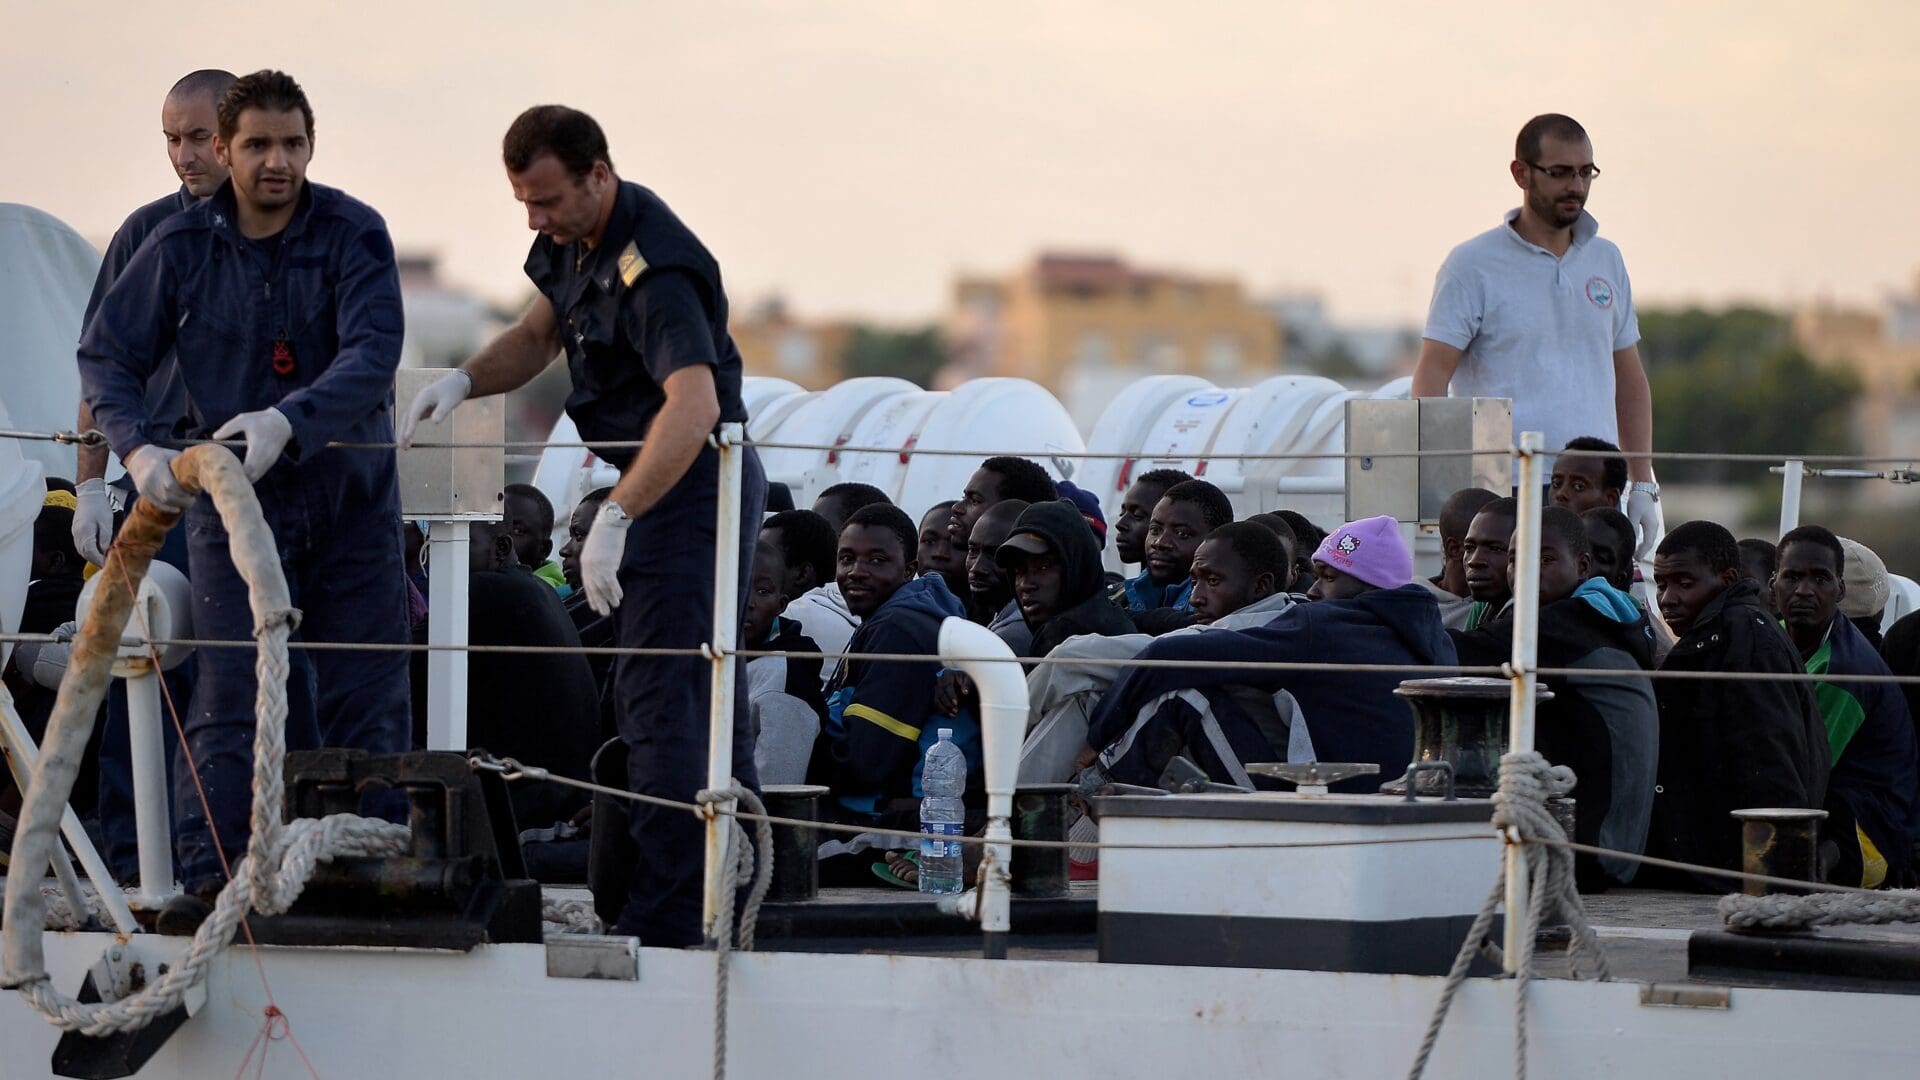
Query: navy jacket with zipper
{"x": 880, "y": 718}
{"x": 1352, "y": 715}
{"x": 328, "y": 289}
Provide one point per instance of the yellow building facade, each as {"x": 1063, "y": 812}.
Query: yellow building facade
{"x": 1068, "y": 317}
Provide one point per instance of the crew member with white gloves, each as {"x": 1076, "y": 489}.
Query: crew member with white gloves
{"x": 1539, "y": 309}
{"x": 281, "y": 300}
{"x": 635, "y": 300}
{"x": 188, "y": 121}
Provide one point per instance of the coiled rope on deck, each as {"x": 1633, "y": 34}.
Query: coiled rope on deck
{"x": 281, "y": 856}
{"x": 1527, "y": 781}
{"x": 1783, "y": 911}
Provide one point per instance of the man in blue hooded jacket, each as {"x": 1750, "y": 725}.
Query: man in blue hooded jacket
{"x": 1367, "y": 610}
{"x": 282, "y": 302}
{"x": 876, "y": 728}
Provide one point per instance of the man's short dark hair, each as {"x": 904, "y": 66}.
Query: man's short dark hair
{"x": 206, "y": 82}
{"x": 1258, "y": 547}
{"x": 1215, "y": 508}
{"x": 1613, "y": 470}
{"x": 267, "y": 90}
{"x": 1456, "y": 514}
{"x": 1564, "y": 526}
{"x": 540, "y": 503}
{"x": 1708, "y": 539}
{"x": 1163, "y": 478}
{"x": 599, "y": 494}
{"x": 1547, "y": 125}
{"x": 805, "y": 540}
{"x": 1763, "y": 554}
{"x": 1306, "y": 535}
{"x": 854, "y": 495}
{"x": 887, "y": 516}
{"x": 1279, "y": 525}
{"x": 1505, "y": 507}
{"x": 53, "y": 532}
{"x": 1821, "y": 536}
{"x": 1022, "y": 479}
{"x": 571, "y": 136}
{"x": 1617, "y": 524}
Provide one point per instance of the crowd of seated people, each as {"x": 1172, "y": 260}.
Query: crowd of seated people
{"x": 1661, "y": 763}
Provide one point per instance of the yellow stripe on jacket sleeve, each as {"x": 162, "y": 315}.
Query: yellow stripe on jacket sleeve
{"x": 884, "y": 722}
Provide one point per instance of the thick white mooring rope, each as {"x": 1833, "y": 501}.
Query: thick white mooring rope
{"x": 281, "y": 856}
{"x": 755, "y": 860}
{"x": 1527, "y": 781}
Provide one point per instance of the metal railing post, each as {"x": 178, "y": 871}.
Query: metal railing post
{"x": 152, "y": 821}
{"x": 1792, "y": 475}
{"x": 1526, "y": 631}
{"x": 448, "y": 541}
{"x": 726, "y": 604}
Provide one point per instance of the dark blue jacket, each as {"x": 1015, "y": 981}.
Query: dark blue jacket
{"x": 1875, "y": 776}
{"x": 880, "y": 717}
{"x": 1352, "y": 716}
{"x": 1139, "y": 593}
{"x": 166, "y": 394}
{"x": 329, "y": 289}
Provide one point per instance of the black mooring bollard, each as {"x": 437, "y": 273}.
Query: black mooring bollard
{"x": 1040, "y": 813}
{"x": 1779, "y": 842}
{"x": 796, "y": 863}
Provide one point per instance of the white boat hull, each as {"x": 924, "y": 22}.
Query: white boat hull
{"x": 495, "y": 1012}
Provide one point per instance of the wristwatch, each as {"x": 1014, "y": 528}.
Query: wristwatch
{"x": 1647, "y": 488}
{"x": 613, "y": 511}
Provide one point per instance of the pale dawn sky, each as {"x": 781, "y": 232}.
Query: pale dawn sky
{"x": 855, "y": 155}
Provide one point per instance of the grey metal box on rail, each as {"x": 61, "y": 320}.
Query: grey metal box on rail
{"x": 467, "y": 478}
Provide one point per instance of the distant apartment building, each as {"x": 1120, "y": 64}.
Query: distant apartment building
{"x": 772, "y": 341}
{"x": 1085, "y": 325}
{"x": 1883, "y": 348}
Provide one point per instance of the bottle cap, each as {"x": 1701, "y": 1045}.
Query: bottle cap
{"x": 946, "y": 732}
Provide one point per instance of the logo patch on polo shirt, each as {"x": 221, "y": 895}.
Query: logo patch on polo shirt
{"x": 1600, "y": 291}
{"x": 632, "y": 265}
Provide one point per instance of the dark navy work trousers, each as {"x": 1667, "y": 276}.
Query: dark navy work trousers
{"x": 662, "y": 703}
{"x": 336, "y": 523}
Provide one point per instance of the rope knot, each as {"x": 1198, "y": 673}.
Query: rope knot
{"x": 275, "y": 619}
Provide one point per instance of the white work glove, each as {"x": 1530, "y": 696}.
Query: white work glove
{"x": 92, "y": 521}
{"x": 435, "y": 402}
{"x": 267, "y": 433}
{"x": 600, "y": 557}
{"x": 1643, "y": 509}
{"x": 152, "y": 469}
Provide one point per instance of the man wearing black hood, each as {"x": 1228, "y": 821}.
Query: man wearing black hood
{"x": 1057, "y": 579}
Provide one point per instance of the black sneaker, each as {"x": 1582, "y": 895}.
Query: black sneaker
{"x": 182, "y": 915}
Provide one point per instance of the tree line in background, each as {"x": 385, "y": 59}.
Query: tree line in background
{"x": 1733, "y": 381}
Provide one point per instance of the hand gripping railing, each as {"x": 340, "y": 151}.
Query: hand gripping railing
{"x": 280, "y": 856}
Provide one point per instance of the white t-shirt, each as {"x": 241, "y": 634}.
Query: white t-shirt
{"x": 1537, "y": 328}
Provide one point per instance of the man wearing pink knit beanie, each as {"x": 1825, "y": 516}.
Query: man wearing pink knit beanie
{"x": 1360, "y": 556}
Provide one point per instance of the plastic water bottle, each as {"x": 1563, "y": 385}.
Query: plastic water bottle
{"x": 943, "y": 778}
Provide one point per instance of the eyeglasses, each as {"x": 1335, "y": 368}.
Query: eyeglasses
{"x": 1567, "y": 172}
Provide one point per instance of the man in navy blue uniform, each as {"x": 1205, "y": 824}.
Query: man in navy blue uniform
{"x": 188, "y": 120}
{"x": 636, "y": 301}
{"x": 281, "y": 300}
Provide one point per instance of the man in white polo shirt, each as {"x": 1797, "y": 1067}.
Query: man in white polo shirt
{"x": 1539, "y": 309}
